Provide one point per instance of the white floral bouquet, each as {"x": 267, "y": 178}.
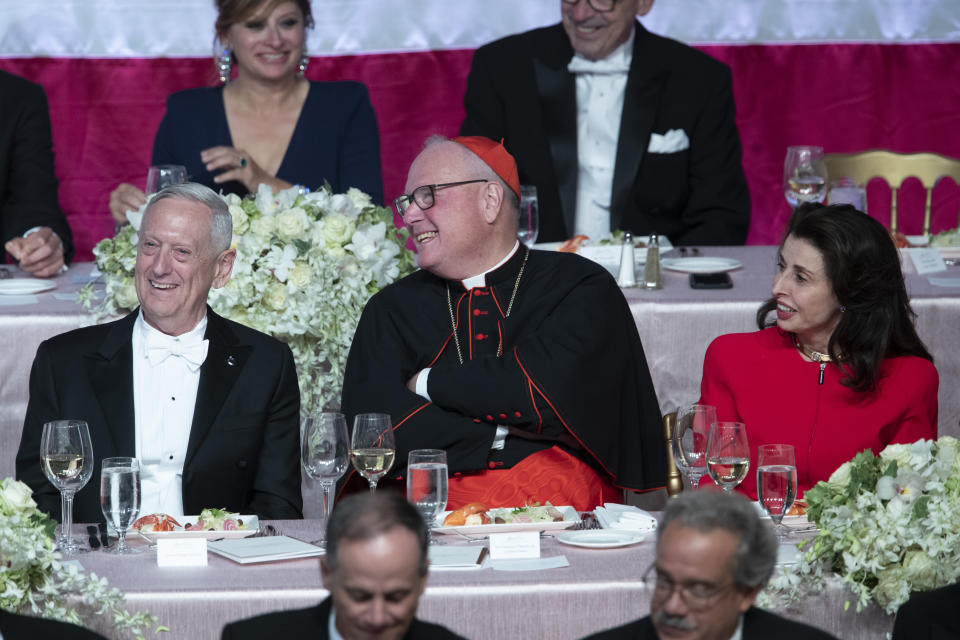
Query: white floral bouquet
{"x": 34, "y": 581}
{"x": 306, "y": 266}
{"x": 889, "y": 525}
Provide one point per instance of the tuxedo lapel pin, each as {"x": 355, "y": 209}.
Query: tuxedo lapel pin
{"x": 231, "y": 361}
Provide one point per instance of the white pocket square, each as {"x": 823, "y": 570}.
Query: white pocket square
{"x": 672, "y": 141}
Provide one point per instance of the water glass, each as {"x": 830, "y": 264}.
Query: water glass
{"x": 804, "y": 175}
{"x": 120, "y": 498}
{"x": 165, "y": 174}
{"x": 728, "y": 454}
{"x": 689, "y": 441}
{"x": 529, "y": 226}
{"x": 372, "y": 447}
{"x": 66, "y": 455}
{"x": 427, "y": 484}
{"x": 776, "y": 482}
{"x": 324, "y": 454}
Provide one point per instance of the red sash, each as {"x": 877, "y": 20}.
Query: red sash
{"x": 551, "y": 475}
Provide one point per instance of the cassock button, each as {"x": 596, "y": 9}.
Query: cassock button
{"x": 491, "y": 465}
{"x": 503, "y": 416}
{"x": 231, "y": 361}
{"x": 481, "y": 336}
{"x": 517, "y": 414}
{"x": 489, "y": 418}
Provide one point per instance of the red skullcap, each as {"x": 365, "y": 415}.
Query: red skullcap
{"x": 496, "y": 156}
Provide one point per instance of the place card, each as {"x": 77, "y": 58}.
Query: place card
{"x": 181, "y": 552}
{"x": 926, "y": 260}
{"x": 449, "y": 557}
{"x": 514, "y": 544}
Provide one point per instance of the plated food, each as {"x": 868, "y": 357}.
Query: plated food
{"x": 211, "y": 523}
{"x": 478, "y": 519}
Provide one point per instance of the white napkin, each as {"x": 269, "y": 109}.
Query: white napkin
{"x": 625, "y": 517}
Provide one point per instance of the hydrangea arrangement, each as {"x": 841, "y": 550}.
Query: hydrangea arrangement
{"x": 306, "y": 266}
{"x": 888, "y": 525}
{"x": 34, "y": 581}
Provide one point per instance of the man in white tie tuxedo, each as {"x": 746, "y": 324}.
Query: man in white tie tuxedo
{"x": 208, "y": 406}
{"x": 617, "y": 128}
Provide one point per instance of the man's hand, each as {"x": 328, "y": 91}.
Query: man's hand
{"x": 40, "y": 253}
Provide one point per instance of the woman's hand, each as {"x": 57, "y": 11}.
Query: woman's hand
{"x": 125, "y": 197}
{"x": 236, "y": 164}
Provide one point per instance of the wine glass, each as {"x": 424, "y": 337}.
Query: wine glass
{"x": 372, "y": 448}
{"x": 120, "y": 497}
{"x": 690, "y": 441}
{"x": 165, "y": 174}
{"x": 776, "y": 482}
{"x": 728, "y": 454}
{"x": 529, "y": 225}
{"x": 66, "y": 455}
{"x": 324, "y": 452}
{"x": 804, "y": 175}
{"x": 427, "y": 484}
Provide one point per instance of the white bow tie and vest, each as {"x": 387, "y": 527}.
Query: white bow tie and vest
{"x": 166, "y": 375}
{"x": 601, "y": 86}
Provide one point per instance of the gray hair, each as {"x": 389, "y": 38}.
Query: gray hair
{"x": 364, "y": 516}
{"x": 708, "y": 511}
{"x": 221, "y": 222}
{"x": 474, "y": 162}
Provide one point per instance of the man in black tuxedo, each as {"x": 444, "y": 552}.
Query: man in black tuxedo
{"x": 375, "y": 569}
{"x": 17, "y": 627}
{"x": 32, "y": 225}
{"x": 210, "y": 407}
{"x": 931, "y": 615}
{"x": 714, "y": 555}
{"x": 617, "y": 128}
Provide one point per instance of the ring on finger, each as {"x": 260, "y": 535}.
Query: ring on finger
{"x": 242, "y": 163}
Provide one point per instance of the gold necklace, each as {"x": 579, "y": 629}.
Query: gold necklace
{"x": 513, "y": 296}
{"x": 814, "y": 355}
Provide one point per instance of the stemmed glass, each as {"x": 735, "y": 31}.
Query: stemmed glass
{"x": 372, "y": 447}
{"x": 66, "y": 455}
{"x": 728, "y": 454}
{"x": 529, "y": 226}
{"x": 427, "y": 484}
{"x": 776, "y": 482}
{"x": 690, "y": 441}
{"x": 120, "y": 497}
{"x": 165, "y": 174}
{"x": 804, "y": 175}
{"x": 324, "y": 452}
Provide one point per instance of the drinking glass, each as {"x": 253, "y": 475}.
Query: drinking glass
{"x": 372, "y": 448}
{"x": 776, "y": 482}
{"x": 804, "y": 175}
{"x": 529, "y": 225}
{"x": 427, "y": 484}
{"x": 161, "y": 175}
{"x": 66, "y": 455}
{"x": 728, "y": 454}
{"x": 120, "y": 498}
{"x": 324, "y": 452}
{"x": 690, "y": 441}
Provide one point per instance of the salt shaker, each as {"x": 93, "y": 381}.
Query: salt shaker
{"x": 651, "y": 271}
{"x": 627, "y": 277}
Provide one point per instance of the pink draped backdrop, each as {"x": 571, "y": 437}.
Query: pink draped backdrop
{"x": 845, "y": 97}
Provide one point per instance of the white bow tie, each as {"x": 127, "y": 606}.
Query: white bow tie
{"x": 159, "y": 350}
{"x": 614, "y": 64}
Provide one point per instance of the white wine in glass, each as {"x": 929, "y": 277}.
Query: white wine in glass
{"x": 66, "y": 455}
{"x": 728, "y": 454}
{"x": 372, "y": 447}
{"x": 325, "y": 454}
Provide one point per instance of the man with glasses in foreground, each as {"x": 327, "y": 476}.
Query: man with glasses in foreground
{"x": 525, "y": 366}
{"x": 714, "y": 555}
{"x": 618, "y": 128}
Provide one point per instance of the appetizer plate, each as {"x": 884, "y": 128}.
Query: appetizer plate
{"x": 252, "y": 522}
{"x": 609, "y": 254}
{"x": 601, "y": 538}
{"x": 570, "y": 517}
{"x": 25, "y": 286}
{"x": 700, "y": 265}
{"x": 798, "y": 522}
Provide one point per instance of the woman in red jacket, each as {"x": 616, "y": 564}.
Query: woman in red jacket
{"x": 842, "y": 369}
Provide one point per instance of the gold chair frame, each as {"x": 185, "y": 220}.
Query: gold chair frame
{"x": 674, "y": 477}
{"x": 894, "y": 168}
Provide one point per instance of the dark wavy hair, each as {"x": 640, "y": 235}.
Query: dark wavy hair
{"x": 230, "y": 12}
{"x": 863, "y": 266}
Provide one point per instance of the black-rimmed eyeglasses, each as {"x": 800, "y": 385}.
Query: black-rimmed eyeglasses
{"x": 697, "y": 595}
{"x": 597, "y": 5}
{"x": 426, "y": 196}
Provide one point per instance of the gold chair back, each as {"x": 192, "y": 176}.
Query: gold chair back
{"x": 674, "y": 478}
{"x": 894, "y": 168}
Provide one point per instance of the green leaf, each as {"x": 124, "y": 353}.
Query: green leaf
{"x": 920, "y": 507}
{"x": 891, "y": 470}
{"x": 302, "y": 246}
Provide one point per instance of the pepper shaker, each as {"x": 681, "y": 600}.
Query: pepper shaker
{"x": 651, "y": 271}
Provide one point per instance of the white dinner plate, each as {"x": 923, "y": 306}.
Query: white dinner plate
{"x": 25, "y": 286}
{"x": 252, "y": 522}
{"x": 570, "y": 517}
{"x": 600, "y": 538}
{"x": 700, "y": 265}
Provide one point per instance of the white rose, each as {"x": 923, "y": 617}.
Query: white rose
{"x": 337, "y": 229}
{"x": 275, "y": 297}
{"x": 919, "y": 570}
{"x": 263, "y": 227}
{"x": 241, "y": 223}
{"x": 891, "y": 587}
{"x": 17, "y": 495}
{"x": 292, "y": 223}
{"x": 841, "y": 477}
{"x": 127, "y": 294}
{"x": 360, "y": 199}
{"x": 299, "y": 275}
{"x": 899, "y": 452}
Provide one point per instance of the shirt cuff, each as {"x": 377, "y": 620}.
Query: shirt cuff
{"x": 422, "y": 384}
{"x": 498, "y": 439}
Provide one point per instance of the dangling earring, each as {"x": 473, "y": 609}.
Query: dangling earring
{"x": 302, "y": 65}
{"x": 224, "y": 61}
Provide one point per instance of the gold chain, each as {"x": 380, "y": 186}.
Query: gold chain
{"x": 814, "y": 355}
{"x": 453, "y": 321}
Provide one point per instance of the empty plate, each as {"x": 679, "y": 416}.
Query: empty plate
{"x": 700, "y": 265}
{"x": 600, "y": 538}
{"x": 24, "y": 286}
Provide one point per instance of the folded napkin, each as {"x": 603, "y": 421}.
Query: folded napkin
{"x": 625, "y": 517}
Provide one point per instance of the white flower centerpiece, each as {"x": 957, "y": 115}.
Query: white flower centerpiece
{"x": 34, "y": 581}
{"x": 888, "y": 525}
{"x": 306, "y": 266}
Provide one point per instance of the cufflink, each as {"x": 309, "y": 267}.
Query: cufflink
{"x": 231, "y": 361}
